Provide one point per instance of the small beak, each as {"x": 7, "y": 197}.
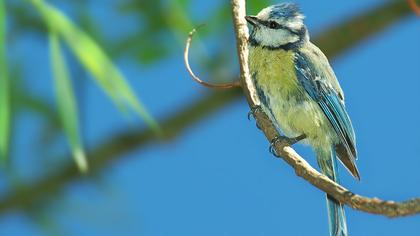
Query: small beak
{"x": 253, "y": 20}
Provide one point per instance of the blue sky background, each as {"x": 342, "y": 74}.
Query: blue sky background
{"x": 218, "y": 178}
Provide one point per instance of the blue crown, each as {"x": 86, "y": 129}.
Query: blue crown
{"x": 285, "y": 10}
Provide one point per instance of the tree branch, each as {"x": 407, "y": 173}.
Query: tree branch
{"x": 112, "y": 149}
{"x": 302, "y": 168}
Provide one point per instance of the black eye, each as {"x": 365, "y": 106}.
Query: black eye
{"x": 273, "y": 25}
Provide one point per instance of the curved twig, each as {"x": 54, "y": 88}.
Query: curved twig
{"x": 235, "y": 84}
{"x": 414, "y": 6}
{"x": 302, "y": 168}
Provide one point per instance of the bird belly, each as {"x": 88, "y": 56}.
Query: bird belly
{"x": 297, "y": 114}
{"x": 284, "y": 100}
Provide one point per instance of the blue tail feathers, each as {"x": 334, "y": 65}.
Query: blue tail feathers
{"x": 336, "y": 217}
{"x": 327, "y": 161}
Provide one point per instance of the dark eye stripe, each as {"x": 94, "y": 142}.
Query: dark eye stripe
{"x": 271, "y": 24}
{"x": 268, "y": 24}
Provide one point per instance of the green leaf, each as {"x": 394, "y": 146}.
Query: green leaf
{"x": 95, "y": 60}
{"x": 4, "y": 88}
{"x": 66, "y": 102}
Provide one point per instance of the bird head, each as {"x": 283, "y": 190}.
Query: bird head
{"x": 277, "y": 26}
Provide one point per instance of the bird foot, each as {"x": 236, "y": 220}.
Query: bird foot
{"x": 253, "y": 110}
{"x": 286, "y": 141}
{"x": 251, "y": 114}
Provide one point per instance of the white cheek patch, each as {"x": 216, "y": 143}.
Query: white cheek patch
{"x": 274, "y": 38}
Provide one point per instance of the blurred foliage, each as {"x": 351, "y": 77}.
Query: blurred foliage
{"x": 67, "y": 106}
{"x": 5, "y": 113}
{"x": 89, "y": 54}
{"x": 95, "y": 60}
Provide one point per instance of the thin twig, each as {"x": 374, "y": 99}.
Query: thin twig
{"x": 235, "y": 84}
{"x": 414, "y": 6}
{"x": 301, "y": 167}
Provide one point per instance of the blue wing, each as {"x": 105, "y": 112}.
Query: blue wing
{"x": 319, "y": 87}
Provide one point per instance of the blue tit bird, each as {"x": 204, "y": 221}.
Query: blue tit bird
{"x": 299, "y": 92}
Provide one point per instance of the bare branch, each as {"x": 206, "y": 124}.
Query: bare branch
{"x": 235, "y": 84}
{"x": 302, "y": 168}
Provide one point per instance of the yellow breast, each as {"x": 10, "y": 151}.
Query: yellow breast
{"x": 274, "y": 68}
